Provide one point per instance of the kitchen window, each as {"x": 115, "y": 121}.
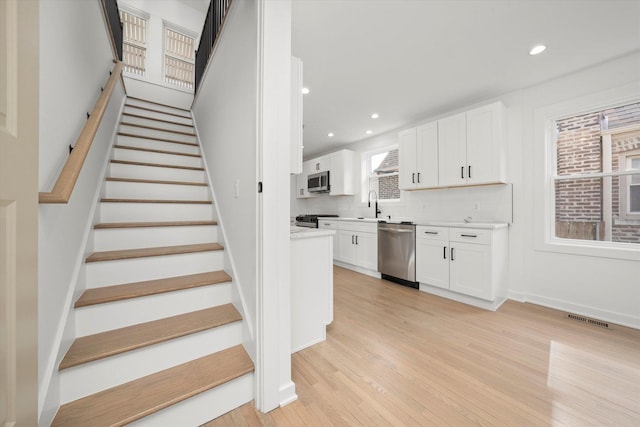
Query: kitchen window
{"x": 134, "y": 42}
{"x": 381, "y": 174}
{"x": 179, "y": 58}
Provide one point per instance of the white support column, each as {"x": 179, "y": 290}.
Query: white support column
{"x": 606, "y": 187}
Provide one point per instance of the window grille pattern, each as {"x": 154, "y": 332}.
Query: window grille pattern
{"x": 134, "y": 43}
{"x": 179, "y": 59}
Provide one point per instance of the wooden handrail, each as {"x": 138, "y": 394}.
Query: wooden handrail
{"x": 63, "y": 187}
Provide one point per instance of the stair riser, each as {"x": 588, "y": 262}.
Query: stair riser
{"x": 153, "y": 172}
{"x": 157, "y": 123}
{"x": 158, "y": 107}
{"x": 98, "y": 318}
{"x": 204, "y": 406}
{"x": 149, "y": 157}
{"x": 111, "y": 239}
{"x": 139, "y": 269}
{"x": 143, "y": 190}
{"x": 157, "y": 145}
{"x": 155, "y": 115}
{"x": 99, "y": 375}
{"x": 134, "y": 212}
{"x": 151, "y": 133}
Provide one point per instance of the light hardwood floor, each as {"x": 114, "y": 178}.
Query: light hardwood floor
{"x": 397, "y": 356}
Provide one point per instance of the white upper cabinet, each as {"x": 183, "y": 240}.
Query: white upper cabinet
{"x": 452, "y": 150}
{"x": 486, "y": 153}
{"x": 464, "y": 149}
{"x": 321, "y": 164}
{"x": 301, "y": 181}
{"x": 342, "y": 175}
{"x": 418, "y": 160}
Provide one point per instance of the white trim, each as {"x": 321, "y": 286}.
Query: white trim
{"x": 544, "y": 200}
{"x": 357, "y": 269}
{"x": 465, "y": 299}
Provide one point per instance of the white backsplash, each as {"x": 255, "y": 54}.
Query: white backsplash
{"x": 492, "y": 203}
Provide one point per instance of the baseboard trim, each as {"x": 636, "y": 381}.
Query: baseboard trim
{"x": 357, "y": 269}
{"x": 517, "y": 296}
{"x": 593, "y": 312}
{"x": 288, "y": 394}
{"x": 465, "y": 299}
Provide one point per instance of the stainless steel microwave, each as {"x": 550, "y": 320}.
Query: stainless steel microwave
{"x": 318, "y": 182}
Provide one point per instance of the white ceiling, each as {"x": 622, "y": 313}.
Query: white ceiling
{"x": 411, "y": 59}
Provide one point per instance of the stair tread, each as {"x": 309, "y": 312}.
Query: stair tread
{"x": 157, "y": 111}
{"x": 138, "y": 116}
{"x": 104, "y": 344}
{"x": 152, "y": 224}
{"x": 156, "y": 181}
{"x": 155, "y": 251}
{"x": 158, "y": 103}
{"x": 158, "y": 129}
{"x": 190, "y": 202}
{"x": 153, "y": 138}
{"x": 157, "y": 165}
{"x": 131, "y": 401}
{"x": 152, "y": 150}
{"x": 149, "y": 287}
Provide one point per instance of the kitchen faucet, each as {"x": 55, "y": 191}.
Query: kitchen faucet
{"x": 378, "y": 211}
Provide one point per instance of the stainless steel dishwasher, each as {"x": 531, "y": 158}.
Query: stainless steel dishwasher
{"x": 397, "y": 252}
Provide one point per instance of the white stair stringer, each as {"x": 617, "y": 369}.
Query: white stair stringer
{"x": 204, "y": 406}
{"x": 111, "y": 239}
{"x": 98, "y": 318}
{"x": 92, "y": 377}
{"x": 157, "y": 187}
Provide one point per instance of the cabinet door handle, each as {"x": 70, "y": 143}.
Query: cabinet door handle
{"x": 469, "y": 235}
{"x": 462, "y": 172}
{"x": 418, "y": 177}
{"x": 352, "y": 240}
{"x": 452, "y": 254}
{"x": 469, "y": 174}
{"x": 444, "y": 252}
{"x": 413, "y": 178}
{"x": 430, "y": 232}
{"x": 356, "y": 239}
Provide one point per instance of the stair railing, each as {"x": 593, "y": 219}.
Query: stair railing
{"x": 66, "y": 181}
{"x": 112, "y": 15}
{"x": 213, "y": 23}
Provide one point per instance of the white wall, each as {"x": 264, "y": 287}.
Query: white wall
{"x": 595, "y": 286}
{"x": 225, "y": 115}
{"x": 75, "y": 57}
{"x": 189, "y": 20}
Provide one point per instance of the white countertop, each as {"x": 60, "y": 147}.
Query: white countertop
{"x": 460, "y": 224}
{"x": 305, "y": 232}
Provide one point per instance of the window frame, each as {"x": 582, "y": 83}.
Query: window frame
{"x": 545, "y": 168}
{"x": 166, "y": 26}
{"x": 625, "y": 185}
{"x": 145, "y": 17}
{"x": 366, "y": 176}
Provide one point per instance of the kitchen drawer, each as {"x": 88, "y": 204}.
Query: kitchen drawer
{"x": 325, "y": 223}
{"x": 362, "y": 227}
{"x": 432, "y": 233}
{"x": 470, "y": 235}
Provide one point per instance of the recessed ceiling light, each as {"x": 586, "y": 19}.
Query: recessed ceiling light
{"x": 330, "y": 134}
{"x": 369, "y": 132}
{"x": 305, "y": 90}
{"x": 375, "y": 115}
{"x": 537, "y": 49}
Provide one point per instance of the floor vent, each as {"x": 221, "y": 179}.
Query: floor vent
{"x": 588, "y": 321}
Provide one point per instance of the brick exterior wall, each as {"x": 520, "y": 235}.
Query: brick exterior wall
{"x": 579, "y": 202}
{"x": 388, "y": 187}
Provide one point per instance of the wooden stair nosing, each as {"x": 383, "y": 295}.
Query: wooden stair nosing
{"x": 105, "y": 344}
{"x": 156, "y": 165}
{"x": 109, "y": 225}
{"x": 150, "y": 138}
{"x": 157, "y": 129}
{"x": 158, "y": 111}
{"x": 158, "y": 103}
{"x": 153, "y": 150}
{"x": 125, "y": 291}
{"x": 151, "y": 252}
{"x": 136, "y": 399}
{"x": 156, "y": 181}
{"x": 138, "y": 116}
{"x": 173, "y": 202}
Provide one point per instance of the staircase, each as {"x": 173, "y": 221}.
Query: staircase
{"x": 158, "y": 340}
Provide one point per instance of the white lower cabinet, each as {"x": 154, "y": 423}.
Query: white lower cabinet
{"x": 464, "y": 260}
{"x": 331, "y": 225}
{"x": 358, "y": 244}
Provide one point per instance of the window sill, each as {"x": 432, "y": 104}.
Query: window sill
{"x": 626, "y": 221}
{"x": 591, "y": 248}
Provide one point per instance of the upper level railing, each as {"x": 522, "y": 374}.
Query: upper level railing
{"x": 212, "y": 24}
